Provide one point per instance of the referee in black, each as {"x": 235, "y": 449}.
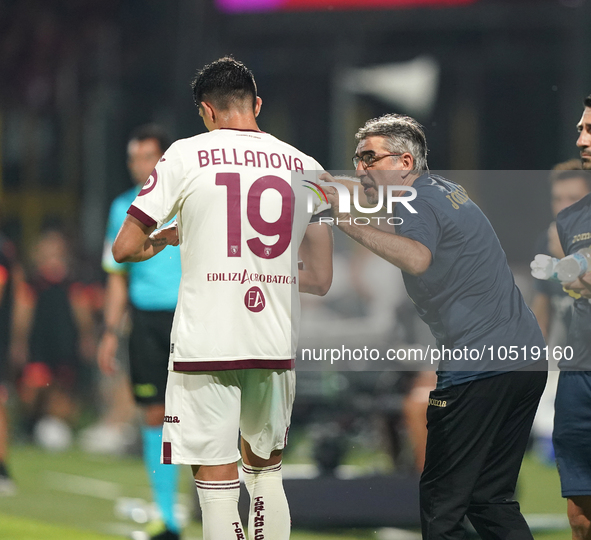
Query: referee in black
{"x": 456, "y": 273}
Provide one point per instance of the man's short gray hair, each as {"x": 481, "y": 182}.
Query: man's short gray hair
{"x": 402, "y": 133}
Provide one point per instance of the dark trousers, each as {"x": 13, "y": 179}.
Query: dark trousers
{"x": 477, "y": 435}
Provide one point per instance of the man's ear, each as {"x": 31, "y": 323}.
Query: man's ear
{"x": 208, "y": 112}
{"x": 408, "y": 162}
{"x": 257, "y": 106}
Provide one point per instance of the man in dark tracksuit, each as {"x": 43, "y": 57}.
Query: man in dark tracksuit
{"x": 489, "y": 383}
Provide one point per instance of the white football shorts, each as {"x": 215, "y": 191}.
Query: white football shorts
{"x": 205, "y": 410}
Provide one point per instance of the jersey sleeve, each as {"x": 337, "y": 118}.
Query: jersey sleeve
{"x": 161, "y": 196}
{"x": 116, "y": 218}
{"x": 424, "y": 227}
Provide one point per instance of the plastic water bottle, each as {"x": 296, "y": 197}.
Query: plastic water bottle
{"x": 574, "y": 266}
{"x": 544, "y": 267}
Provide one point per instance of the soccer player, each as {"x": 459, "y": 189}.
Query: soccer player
{"x": 456, "y": 273}
{"x": 241, "y": 200}
{"x": 572, "y": 419}
{"x": 150, "y": 289}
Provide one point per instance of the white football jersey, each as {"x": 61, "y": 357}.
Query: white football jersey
{"x": 241, "y": 200}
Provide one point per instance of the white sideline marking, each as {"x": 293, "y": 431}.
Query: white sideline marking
{"x": 82, "y": 485}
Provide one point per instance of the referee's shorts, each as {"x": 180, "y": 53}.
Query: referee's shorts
{"x": 149, "y": 349}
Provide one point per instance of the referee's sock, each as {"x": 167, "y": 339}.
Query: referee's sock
{"x": 269, "y": 512}
{"x": 163, "y": 478}
{"x": 219, "y": 509}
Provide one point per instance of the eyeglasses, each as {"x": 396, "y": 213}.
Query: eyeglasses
{"x": 369, "y": 159}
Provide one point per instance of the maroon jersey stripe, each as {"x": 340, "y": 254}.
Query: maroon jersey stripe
{"x": 141, "y": 216}
{"x": 233, "y": 364}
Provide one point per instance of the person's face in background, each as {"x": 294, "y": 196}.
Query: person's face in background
{"x": 566, "y": 192}
{"x": 142, "y": 157}
{"x": 50, "y": 257}
{"x": 584, "y": 140}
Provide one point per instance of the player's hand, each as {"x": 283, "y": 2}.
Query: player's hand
{"x": 168, "y": 236}
{"x": 581, "y": 286}
{"x": 106, "y": 353}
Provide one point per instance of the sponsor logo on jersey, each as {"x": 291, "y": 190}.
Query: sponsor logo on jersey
{"x": 254, "y": 300}
{"x": 246, "y": 277}
{"x": 172, "y": 420}
{"x": 581, "y": 237}
{"x": 150, "y": 184}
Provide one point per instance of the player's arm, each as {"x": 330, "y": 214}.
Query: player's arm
{"x": 116, "y": 297}
{"x": 407, "y": 254}
{"x": 315, "y": 273}
{"x": 541, "y": 308}
{"x": 135, "y": 241}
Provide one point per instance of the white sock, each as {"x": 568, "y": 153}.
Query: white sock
{"x": 219, "y": 510}
{"x": 268, "y": 518}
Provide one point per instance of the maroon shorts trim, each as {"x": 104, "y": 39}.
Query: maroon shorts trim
{"x": 233, "y": 364}
{"x": 166, "y": 453}
{"x": 141, "y": 216}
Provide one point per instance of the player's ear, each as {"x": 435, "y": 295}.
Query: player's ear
{"x": 257, "y": 106}
{"x": 207, "y": 112}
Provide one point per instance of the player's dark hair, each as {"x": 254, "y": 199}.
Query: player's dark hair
{"x": 568, "y": 170}
{"x": 587, "y": 101}
{"x": 225, "y": 83}
{"x": 403, "y": 133}
{"x": 152, "y": 131}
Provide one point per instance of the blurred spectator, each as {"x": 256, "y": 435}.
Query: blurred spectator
{"x": 551, "y": 305}
{"x": 53, "y": 342}
{"x": 10, "y": 273}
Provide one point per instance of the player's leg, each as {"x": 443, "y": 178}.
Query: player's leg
{"x": 572, "y": 439}
{"x": 201, "y": 428}
{"x": 148, "y": 357}
{"x": 218, "y": 488}
{"x": 267, "y": 401}
{"x": 493, "y": 510}
{"x": 579, "y": 517}
{"x": 269, "y": 511}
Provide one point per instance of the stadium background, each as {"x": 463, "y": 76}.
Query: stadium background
{"x": 497, "y": 84}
